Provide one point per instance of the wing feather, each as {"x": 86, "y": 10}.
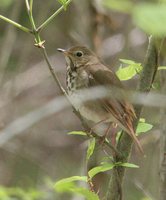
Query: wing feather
{"x": 116, "y": 103}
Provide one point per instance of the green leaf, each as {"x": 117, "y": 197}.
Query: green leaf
{"x": 118, "y": 136}
{"x": 19, "y": 193}
{"x": 126, "y": 73}
{"x": 151, "y": 18}
{"x": 142, "y": 120}
{"x": 109, "y": 166}
{"x": 82, "y": 191}
{"x": 130, "y": 165}
{"x": 156, "y": 85}
{"x": 67, "y": 183}
{"x": 64, "y": 3}
{"x": 119, "y": 5}
{"x": 101, "y": 168}
{"x": 86, "y": 193}
{"x": 3, "y": 193}
{"x": 146, "y": 198}
{"x": 129, "y": 62}
{"x": 91, "y": 148}
{"x": 161, "y": 67}
{"x": 71, "y": 179}
{"x": 143, "y": 127}
{"x": 5, "y": 3}
{"x": 77, "y": 133}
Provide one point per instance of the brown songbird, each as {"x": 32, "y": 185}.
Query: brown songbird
{"x": 85, "y": 71}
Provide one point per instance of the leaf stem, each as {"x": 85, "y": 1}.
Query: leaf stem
{"x": 27, "y": 5}
{"x": 31, "y": 5}
{"x": 44, "y": 24}
{"x": 23, "y": 28}
{"x": 38, "y": 41}
{"x": 40, "y": 44}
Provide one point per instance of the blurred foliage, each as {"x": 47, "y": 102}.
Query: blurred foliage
{"x": 69, "y": 185}
{"x": 19, "y": 194}
{"x": 121, "y": 5}
{"x": 150, "y": 17}
{"x": 5, "y": 3}
{"x": 162, "y": 67}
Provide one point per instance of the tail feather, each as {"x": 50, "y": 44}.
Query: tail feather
{"x": 128, "y": 123}
{"x": 131, "y": 132}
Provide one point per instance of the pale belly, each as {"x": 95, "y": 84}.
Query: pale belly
{"x": 90, "y": 110}
{"x": 96, "y": 117}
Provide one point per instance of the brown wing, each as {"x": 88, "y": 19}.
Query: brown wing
{"x": 116, "y": 104}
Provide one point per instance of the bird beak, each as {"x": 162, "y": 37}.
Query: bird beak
{"x": 62, "y": 51}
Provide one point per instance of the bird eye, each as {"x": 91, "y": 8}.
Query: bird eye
{"x": 79, "y": 53}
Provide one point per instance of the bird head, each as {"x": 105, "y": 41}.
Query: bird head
{"x": 79, "y": 56}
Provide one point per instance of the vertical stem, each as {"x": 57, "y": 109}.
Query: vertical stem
{"x": 40, "y": 44}
{"x": 125, "y": 143}
{"x": 30, "y": 15}
{"x": 163, "y": 144}
{"x": 27, "y": 5}
{"x": 31, "y": 5}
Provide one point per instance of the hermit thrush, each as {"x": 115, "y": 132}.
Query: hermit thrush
{"x": 85, "y": 71}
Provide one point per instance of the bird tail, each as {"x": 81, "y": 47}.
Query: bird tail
{"x": 128, "y": 124}
{"x": 131, "y": 132}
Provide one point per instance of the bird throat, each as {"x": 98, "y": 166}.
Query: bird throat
{"x": 76, "y": 78}
{"x": 71, "y": 76}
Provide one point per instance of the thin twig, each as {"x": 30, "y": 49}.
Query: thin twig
{"x": 44, "y": 24}
{"x": 38, "y": 40}
{"x": 23, "y": 28}
{"x": 31, "y": 5}
{"x": 27, "y": 5}
{"x": 93, "y": 134}
{"x": 40, "y": 44}
{"x": 54, "y": 75}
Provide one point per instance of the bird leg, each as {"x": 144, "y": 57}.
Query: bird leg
{"x": 113, "y": 134}
{"x": 105, "y": 134}
{"x": 96, "y": 124}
